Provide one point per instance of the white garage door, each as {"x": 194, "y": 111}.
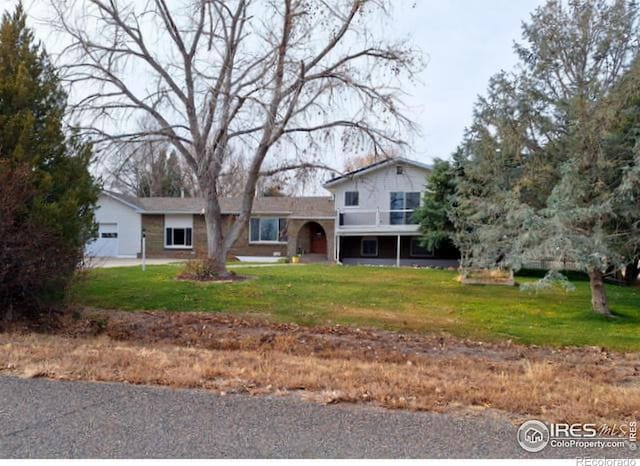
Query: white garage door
{"x": 106, "y": 245}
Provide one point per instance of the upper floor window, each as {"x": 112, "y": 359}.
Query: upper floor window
{"x": 351, "y": 199}
{"x": 402, "y": 207}
{"x": 399, "y": 169}
{"x": 268, "y": 230}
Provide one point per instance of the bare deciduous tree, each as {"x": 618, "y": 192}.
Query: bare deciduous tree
{"x": 149, "y": 169}
{"x": 268, "y": 79}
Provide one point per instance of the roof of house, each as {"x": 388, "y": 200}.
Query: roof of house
{"x": 375, "y": 166}
{"x": 174, "y": 205}
{"x": 131, "y": 201}
{"x": 291, "y": 206}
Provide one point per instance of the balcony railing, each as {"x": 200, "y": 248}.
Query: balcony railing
{"x": 356, "y": 218}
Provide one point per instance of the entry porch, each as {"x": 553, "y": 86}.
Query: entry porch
{"x": 392, "y": 250}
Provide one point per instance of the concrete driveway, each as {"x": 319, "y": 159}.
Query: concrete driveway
{"x": 110, "y": 262}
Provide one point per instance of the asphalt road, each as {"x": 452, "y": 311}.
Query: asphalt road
{"x": 42, "y": 418}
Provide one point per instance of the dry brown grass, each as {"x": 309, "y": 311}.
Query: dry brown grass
{"x": 436, "y": 373}
{"x": 410, "y": 318}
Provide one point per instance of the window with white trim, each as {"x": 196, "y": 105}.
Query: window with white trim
{"x": 402, "y": 206}
{"x": 369, "y": 246}
{"x": 418, "y": 250}
{"x": 351, "y": 199}
{"x": 178, "y": 231}
{"x": 179, "y": 237}
{"x": 268, "y": 230}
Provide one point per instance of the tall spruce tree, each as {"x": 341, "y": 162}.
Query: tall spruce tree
{"x": 576, "y": 55}
{"x": 622, "y": 146}
{"x": 502, "y": 168}
{"x": 434, "y": 214}
{"x": 59, "y": 193}
{"x": 539, "y": 180}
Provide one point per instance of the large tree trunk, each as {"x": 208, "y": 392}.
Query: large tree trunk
{"x": 631, "y": 273}
{"x": 216, "y": 262}
{"x": 599, "y": 302}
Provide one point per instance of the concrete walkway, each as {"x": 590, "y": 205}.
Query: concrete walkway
{"x": 111, "y": 262}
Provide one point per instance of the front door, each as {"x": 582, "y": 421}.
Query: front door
{"x": 318, "y": 239}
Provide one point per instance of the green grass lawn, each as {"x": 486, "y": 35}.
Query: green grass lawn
{"x": 399, "y": 299}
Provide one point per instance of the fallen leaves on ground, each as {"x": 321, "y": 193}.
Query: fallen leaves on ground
{"x": 232, "y": 354}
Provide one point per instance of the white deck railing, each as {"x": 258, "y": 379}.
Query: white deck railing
{"x": 356, "y": 218}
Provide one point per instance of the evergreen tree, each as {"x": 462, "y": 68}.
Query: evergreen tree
{"x": 622, "y": 147}
{"x": 434, "y": 214}
{"x": 502, "y": 168}
{"x": 540, "y": 179}
{"x": 576, "y": 56}
{"x": 34, "y": 148}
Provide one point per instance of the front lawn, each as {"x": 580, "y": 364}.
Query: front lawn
{"x": 417, "y": 300}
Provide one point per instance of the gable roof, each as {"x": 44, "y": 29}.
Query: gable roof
{"x": 375, "y": 166}
{"x": 289, "y": 206}
{"x": 129, "y": 201}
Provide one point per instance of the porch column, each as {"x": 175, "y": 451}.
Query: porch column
{"x": 337, "y": 246}
{"x": 398, "y": 253}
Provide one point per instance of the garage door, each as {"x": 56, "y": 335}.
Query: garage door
{"x": 106, "y": 245}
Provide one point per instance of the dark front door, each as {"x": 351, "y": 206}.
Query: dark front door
{"x": 318, "y": 239}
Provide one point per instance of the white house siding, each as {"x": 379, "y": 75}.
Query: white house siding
{"x": 372, "y": 218}
{"x": 128, "y": 221}
{"x": 178, "y": 221}
{"x": 374, "y": 187}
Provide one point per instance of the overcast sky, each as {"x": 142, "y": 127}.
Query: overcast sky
{"x": 465, "y": 42}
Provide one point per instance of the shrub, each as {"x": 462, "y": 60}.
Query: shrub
{"x": 552, "y": 280}
{"x": 199, "y": 270}
{"x": 36, "y": 263}
{"x": 47, "y": 195}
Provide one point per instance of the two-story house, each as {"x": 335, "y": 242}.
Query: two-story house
{"x": 368, "y": 220}
{"x": 374, "y": 215}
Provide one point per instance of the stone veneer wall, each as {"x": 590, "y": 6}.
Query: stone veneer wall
{"x": 153, "y": 226}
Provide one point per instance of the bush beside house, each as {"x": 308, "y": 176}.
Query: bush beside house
{"x": 47, "y": 195}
